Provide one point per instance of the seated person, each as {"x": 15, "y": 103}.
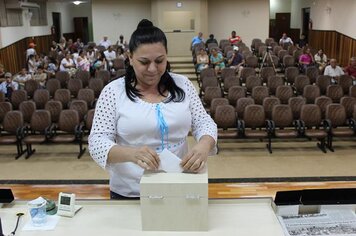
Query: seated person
{"x": 2, "y": 73}
{"x": 8, "y": 86}
{"x": 351, "y": 68}
{"x": 236, "y": 61}
{"x": 285, "y": 41}
{"x": 110, "y": 55}
{"x": 196, "y": 40}
{"x": 211, "y": 39}
{"x": 306, "y": 59}
{"x": 67, "y": 64}
{"x": 302, "y": 42}
{"x": 51, "y": 68}
{"x": 234, "y": 38}
{"x": 202, "y": 60}
{"x": 22, "y": 77}
{"x": 321, "y": 60}
{"x": 333, "y": 70}
{"x": 41, "y": 77}
{"x": 217, "y": 60}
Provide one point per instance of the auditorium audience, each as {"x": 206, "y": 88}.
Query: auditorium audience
{"x": 302, "y": 42}
{"x": 234, "y": 38}
{"x": 105, "y": 42}
{"x": 22, "y": 77}
{"x": 321, "y": 60}
{"x": 41, "y": 77}
{"x": 83, "y": 62}
{"x": 31, "y": 50}
{"x": 67, "y": 64}
{"x": 306, "y": 59}
{"x": 197, "y": 39}
{"x": 110, "y": 55}
{"x": 217, "y": 60}
{"x": 121, "y": 42}
{"x": 211, "y": 39}
{"x": 236, "y": 61}
{"x": 202, "y": 60}
{"x": 8, "y": 86}
{"x": 31, "y": 64}
{"x": 333, "y": 70}
{"x": 351, "y": 68}
{"x": 285, "y": 41}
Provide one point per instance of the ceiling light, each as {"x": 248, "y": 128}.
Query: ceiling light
{"x": 77, "y": 2}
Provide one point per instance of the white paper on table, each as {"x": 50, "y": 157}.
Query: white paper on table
{"x": 50, "y": 224}
{"x": 169, "y": 162}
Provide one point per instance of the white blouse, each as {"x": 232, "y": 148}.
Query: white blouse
{"x": 118, "y": 120}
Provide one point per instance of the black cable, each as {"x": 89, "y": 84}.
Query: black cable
{"x": 17, "y": 222}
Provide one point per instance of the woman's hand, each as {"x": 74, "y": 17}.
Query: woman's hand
{"x": 146, "y": 158}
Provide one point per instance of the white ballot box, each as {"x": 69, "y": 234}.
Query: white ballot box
{"x": 174, "y": 201}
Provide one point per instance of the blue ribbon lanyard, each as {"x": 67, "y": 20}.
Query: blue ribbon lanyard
{"x": 162, "y": 125}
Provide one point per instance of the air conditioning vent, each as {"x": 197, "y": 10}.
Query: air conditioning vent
{"x": 21, "y": 5}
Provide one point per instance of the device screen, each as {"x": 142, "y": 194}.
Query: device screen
{"x": 65, "y": 200}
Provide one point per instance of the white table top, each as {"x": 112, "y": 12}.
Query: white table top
{"x": 100, "y": 217}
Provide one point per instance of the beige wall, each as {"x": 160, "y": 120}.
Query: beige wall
{"x": 279, "y": 6}
{"x": 250, "y": 19}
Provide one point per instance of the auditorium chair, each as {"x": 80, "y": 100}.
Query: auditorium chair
{"x": 5, "y": 107}
{"x": 251, "y": 82}
{"x": 38, "y": 131}
{"x": 80, "y": 106}
{"x": 312, "y": 125}
{"x": 63, "y": 77}
{"x": 281, "y": 54}
{"x": 12, "y": 131}
{"x": 300, "y": 82}
{"x": 62, "y": 95}
{"x": 217, "y": 102}
{"x": 348, "y": 103}
{"x": 103, "y": 75}
{"x": 335, "y": 92}
{"x": 88, "y": 122}
{"x": 259, "y": 93}
{"x": 284, "y": 92}
{"x": 312, "y": 72}
{"x": 266, "y": 72}
{"x": 290, "y": 73}
{"x": 52, "y": 85}
{"x": 352, "y": 91}
{"x": 84, "y": 76}
{"x": 268, "y": 104}
{"x": 207, "y": 72}
{"x": 274, "y": 61}
{"x": 291, "y": 49}
{"x": 73, "y": 86}
{"x": 96, "y": 85}
{"x": 229, "y": 82}
{"x": 88, "y": 96}
{"x": 235, "y": 93}
{"x": 2, "y": 97}
{"x": 241, "y": 104}
{"x": 273, "y": 82}
{"x": 254, "y": 42}
{"x": 323, "y": 102}
{"x": 251, "y": 61}
{"x": 311, "y": 92}
{"x": 323, "y": 81}
{"x": 27, "y": 108}
{"x": 282, "y": 124}
{"x": 296, "y": 104}
{"x": 339, "y": 125}
{"x": 276, "y": 50}
{"x": 118, "y": 63}
{"x": 68, "y": 130}
{"x": 120, "y": 73}
{"x": 211, "y": 93}
{"x": 17, "y": 97}
{"x": 246, "y": 72}
{"x": 223, "y": 43}
{"x": 41, "y": 97}
{"x": 31, "y": 86}
{"x": 227, "y": 72}
{"x": 262, "y": 51}
{"x": 55, "y": 108}
{"x": 345, "y": 81}
{"x": 297, "y": 53}
{"x": 288, "y": 61}
{"x": 269, "y": 41}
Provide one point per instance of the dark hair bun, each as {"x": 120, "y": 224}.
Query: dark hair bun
{"x": 144, "y": 24}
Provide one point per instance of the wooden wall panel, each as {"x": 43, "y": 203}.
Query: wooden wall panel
{"x": 334, "y": 44}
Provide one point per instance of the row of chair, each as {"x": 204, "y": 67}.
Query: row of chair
{"x": 283, "y": 125}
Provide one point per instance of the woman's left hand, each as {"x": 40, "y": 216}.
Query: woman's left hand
{"x": 195, "y": 159}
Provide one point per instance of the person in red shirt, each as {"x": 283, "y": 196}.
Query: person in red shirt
{"x": 351, "y": 69}
{"x": 234, "y": 38}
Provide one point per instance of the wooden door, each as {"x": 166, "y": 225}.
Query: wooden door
{"x": 81, "y": 29}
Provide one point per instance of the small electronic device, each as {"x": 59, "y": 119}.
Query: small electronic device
{"x": 66, "y": 204}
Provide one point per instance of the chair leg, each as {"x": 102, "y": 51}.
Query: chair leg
{"x": 30, "y": 151}
{"x": 20, "y": 150}
{"x": 269, "y": 145}
{"x": 330, "y": 143}
{"x": 81, "y": 150}
{"x": 322, "y": 145}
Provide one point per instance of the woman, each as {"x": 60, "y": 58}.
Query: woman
{"x": 202, "y": 60}
{"x": 82, "y": 61}
{"x": 306, "y": 59}
{"x": 67, "y": 64}
{"x": 145, "y": 112}
{"x": 321, "y": 59}
{"x": 217, "y": 60}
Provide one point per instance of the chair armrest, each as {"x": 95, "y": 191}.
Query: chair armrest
{"x": 241, "y": 127}
{"x": 79, "y": 131}
{"x": 270, "y": 126}
{"x": 50, "y": 131}
{"x": 20, "y": 132}
{"x": 352, "y": 124}
{"x": 327, "y": 125}
{"x": 301, "y": 126}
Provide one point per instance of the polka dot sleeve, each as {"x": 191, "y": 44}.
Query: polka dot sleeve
{"x": 202, "y": 123}
{"x": 103, "y": 132}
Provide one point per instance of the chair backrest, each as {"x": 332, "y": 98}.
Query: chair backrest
{"x": 118, "y": 63}
{"x": 55, "y": 108}
{"x": 227, "y": 72}
{"x": 284, "y": 92}
{"x": 74, "y": 85}
{"x": 84, "y": 76}
{"x": 40, "y": 120}
{"x": 345, "y": 81}
{"x": 235, "y": 93}
{"x": 336, "y": 113}
{"x": 266, "y": 72}
{"x": 81, "y": 106}
{"x": 12, "y": 121}
{"x": 87, "y": 95}
{"x": 89, "y": 119}
{"x": 5, "y": 107}
{"x": 209, "y": 81}
{"x": 322, "y": 103}
{"x": 225, "y": 116}
{"x": 2, "y": 97}
{"x": 296, "y": 104}
{"x": 311, "y": 92}
{"x": 52, "y": 85}
{"x": 27, "y": 108}
{"x": 281, "y": 54}
{"x": 230, "y": 81}
{"x": 276, "y": 50}
{"x": 312, "y": 72}
{"x": 259, "y": 93}
{"x": 31, "y": 86}
{"x": 290, "y": 73}
{"x": 63, "y": 77}
{"x": 120, "y": 73}
{"x": 352, "y": 91}
{"x": 103, "y": 75}
{"x": 217, "y": 102}
{"x": 62, "y": 95}
{"x": 241, "y": 104}
{"x": 18, "y": 96}
{"x": 311, "y": 115}
{"x": 41, "y": 97}
{"x": 323, "y": 81}
{"x": 282, "y": 116}
{"x": 254, "y": 116}
{"x": 211, "y": 93}
{"x": 251, "y": 61}
{"x": 96, "y": 85}
{"x": 288, "y": 61}
{"x": 273, "y": 82}
{"x": 251, "y": 82}
{"x": 68, "y": 120}
{"x": 246, "y": 72}
{"x": 335, "y": 92}
{"x": 268, "y": 104}
{"x": 300, "y": 82}
{"x": 348, "y": 103}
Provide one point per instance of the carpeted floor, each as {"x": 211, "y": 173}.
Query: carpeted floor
{"x": 237, "y": 161}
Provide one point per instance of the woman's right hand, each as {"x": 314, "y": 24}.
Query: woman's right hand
{"x": 146, "y": 158}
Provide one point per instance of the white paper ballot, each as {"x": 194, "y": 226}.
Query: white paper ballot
{"x": 170, "y": 163}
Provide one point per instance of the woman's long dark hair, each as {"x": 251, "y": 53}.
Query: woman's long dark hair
{"x": 146, "y": 33}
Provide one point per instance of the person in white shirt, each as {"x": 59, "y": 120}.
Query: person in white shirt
{"x": 145, "y": 112}
{"x": 321, "y": 59}
{"x": 31, "y": 50}
{"x": 285, "y": 40}
{"x": 8, "y": 86}
{"x": 333, "y": 70}
{"x": 67, "y": 64}
{"x": 110, "y": 55}
{"x": 105, "y": 42}
{"x": 22, "y": 77}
